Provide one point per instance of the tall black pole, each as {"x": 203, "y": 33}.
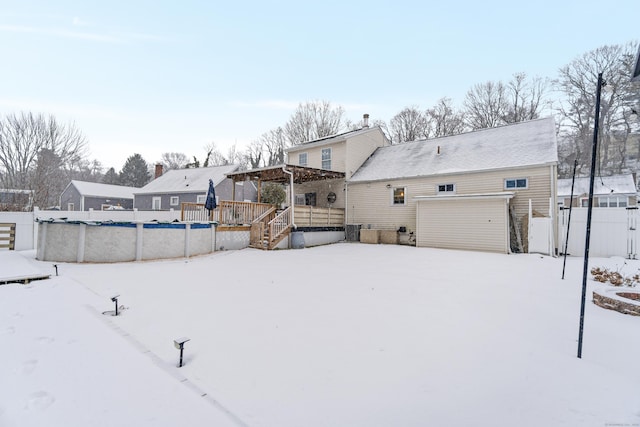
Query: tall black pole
{"x": 566, "y": 241}
{"x": 594, "y": 154}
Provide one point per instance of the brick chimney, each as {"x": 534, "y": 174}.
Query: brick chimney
{"x": 365, "y": 121}
{"x": 158, "y": 172}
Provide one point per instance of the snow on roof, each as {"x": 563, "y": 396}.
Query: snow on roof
{"x": 97, "y": 189}
{"x": 187, "y": 180}
{"x": 333, "y": 138}
{"x": 517, "y": 145}
{"x": 616, "y": 184}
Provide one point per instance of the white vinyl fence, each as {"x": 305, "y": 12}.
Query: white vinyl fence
{"x": 613, "y": 232}
{"x": 27, "y": 230}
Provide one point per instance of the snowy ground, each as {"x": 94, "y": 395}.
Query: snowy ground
{"x": 340, "y": 335}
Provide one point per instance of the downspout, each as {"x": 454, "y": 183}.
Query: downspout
{"x": 291, "y": 199}
{"x": 346, "y": 202}
{"x": 553, "y": 209}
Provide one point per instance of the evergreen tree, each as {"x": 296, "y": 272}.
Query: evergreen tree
{"x": 135, "y": 172}
{"x": 111, "y": 177}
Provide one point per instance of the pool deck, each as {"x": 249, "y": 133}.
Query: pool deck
{"x": 18, "y": 267}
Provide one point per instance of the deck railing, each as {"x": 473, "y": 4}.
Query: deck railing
{"x": 226, "y": 213}
{"x": 311, "y": 216}
{"x": 280, "y": 224}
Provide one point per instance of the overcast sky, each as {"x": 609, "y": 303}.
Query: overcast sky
{"x": 150, "y": 77}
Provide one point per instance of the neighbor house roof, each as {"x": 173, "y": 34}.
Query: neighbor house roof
{"x": 96, "y": 189}
{"x": 333, "y": 138}
{"x": 517, "y": 145}
{"x": 191, "y": 180}
{"x": 616, "y": 184}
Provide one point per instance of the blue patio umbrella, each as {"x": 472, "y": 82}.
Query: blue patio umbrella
{"x": 210, "y": 204}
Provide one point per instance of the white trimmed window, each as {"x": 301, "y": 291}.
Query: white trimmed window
{"x": 156, "y": 203}
{"x": 399, "y": 196}
{"x": 202, "y": 198}
{"x": 326, "y": 158}
{"x": 302, "y": 159}
{"x": 174, "y": 200}
{"x": 612, "y": 202}
{"x": 446, "y": 188}
{"x": 70, "y": 207}
{"x": 515, "y": 183}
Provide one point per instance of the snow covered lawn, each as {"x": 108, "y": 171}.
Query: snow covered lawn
{"x": 339, "y": 335}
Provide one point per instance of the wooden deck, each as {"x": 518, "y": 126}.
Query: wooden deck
{"x": 268, "y": 225}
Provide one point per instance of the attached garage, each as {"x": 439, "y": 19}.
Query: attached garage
{"x": 478, "y": 222}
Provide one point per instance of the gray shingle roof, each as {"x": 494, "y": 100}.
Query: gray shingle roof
{"x": 96, "y": 189}
{"x": 187, "y": 180}
{"x": 616, "y": 184}
{"x": 517, "y": 145}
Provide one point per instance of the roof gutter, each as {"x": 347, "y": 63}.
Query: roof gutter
{"x": 291, "y": 199}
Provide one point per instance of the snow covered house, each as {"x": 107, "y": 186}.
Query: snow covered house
{"x": 83, "y": 195}
{"x": 469, "y": 191}
{"x": 315, "y": 177}
{"x": 344, "y": 152}
{"x": 616, "y": 191}
{"x": 176, "y": 186}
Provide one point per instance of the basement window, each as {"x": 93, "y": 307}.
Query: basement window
{"x": 512, "y": 184}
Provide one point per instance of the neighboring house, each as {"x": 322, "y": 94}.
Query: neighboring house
{"x": 339, "y": 153}
{"x": 16, "y": 200}
{"x": 456, "y": 191}
{"x": 83, "y": 196}
{"x": 617, "y": 191}
{"x": 178, "y": 186}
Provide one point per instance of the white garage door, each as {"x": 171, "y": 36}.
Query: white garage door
{"x": 479, "y": 224}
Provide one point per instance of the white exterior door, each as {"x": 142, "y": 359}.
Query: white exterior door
{"x": 156, "y": 203}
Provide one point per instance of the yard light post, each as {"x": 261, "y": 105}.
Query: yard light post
{"x": 179, "y": 344}
{"x": 594, "y": 154}
{"x": 115, "y": 299}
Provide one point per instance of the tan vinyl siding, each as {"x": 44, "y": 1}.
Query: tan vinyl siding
{"x": 370, "y": 203}
{"x": 479, "y": 225}
{"x": 322, "y": 190}
{"x": 360, "y": 147}
{"x": 314, "y": 156}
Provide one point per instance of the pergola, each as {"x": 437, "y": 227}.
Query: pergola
{"x": 291, "y": 174}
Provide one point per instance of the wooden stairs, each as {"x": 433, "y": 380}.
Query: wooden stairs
{"x": 270, "y": 228}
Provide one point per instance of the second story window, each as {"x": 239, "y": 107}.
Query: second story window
{"x": 302, "y": 159}
{"x": 326, "y": 158}
{"x": 513, "y": 183}
{"x": 446, "y": 188}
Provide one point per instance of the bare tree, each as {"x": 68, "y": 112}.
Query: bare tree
{"x": 29, "y": 141}
{"x": 485, "y": 105}
{"x": 525, "y": 98}
{"x": 274, "y": 143}
{"x": 174, "y": 160}
{"x": 253, "y": 154}
{"x": 576, "y": 111}
{"x": 444, "y": 120}
{"x": 410, "y": 124}
{"x": 313, "y": 120}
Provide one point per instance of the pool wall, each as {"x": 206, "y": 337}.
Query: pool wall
{"x": 64, "y": 241}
